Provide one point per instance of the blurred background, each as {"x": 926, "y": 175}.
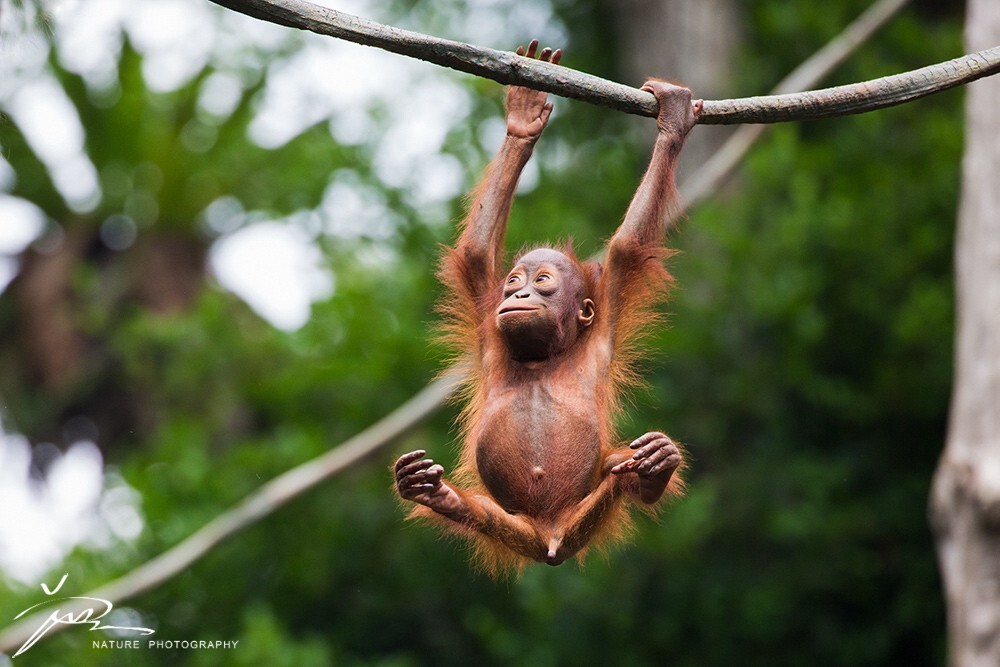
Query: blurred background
{"x": 217, "y": 249}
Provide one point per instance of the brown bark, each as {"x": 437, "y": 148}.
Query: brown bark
{"x": 49, "y": 338}
{"x": 168, "y": 271}
{"x": 689, "y": 41}
{"x": 69, "y": 367}
{"x": 965, "y": 500}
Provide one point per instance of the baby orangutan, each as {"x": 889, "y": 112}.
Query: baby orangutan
{"x": 540, "y": 475}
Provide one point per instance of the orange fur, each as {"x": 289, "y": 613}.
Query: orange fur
{"x": 467, "y": 325}
{"x": 549, "y": 370}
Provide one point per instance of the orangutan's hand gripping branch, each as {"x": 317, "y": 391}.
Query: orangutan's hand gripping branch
{"x": 541, "y": 476}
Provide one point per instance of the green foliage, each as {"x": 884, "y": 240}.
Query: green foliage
{"x": 807, "y": 368}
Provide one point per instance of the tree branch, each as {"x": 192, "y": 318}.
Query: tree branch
{"x": 508, "y": 68}
{"x": 251, "y": 509}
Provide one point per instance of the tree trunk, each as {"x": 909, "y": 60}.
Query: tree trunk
{"x": 56, "y": 360}
{"x": 690, "y": 41}
{"x": 965, "y": 500}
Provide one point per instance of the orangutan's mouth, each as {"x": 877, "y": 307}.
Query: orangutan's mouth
{"x": 517, "y": 309}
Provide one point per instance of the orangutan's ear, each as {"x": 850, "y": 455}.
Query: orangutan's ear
{"x": 587, "y": 313}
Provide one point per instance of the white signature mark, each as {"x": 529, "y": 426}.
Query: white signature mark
{"x": 91, "y": 615}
